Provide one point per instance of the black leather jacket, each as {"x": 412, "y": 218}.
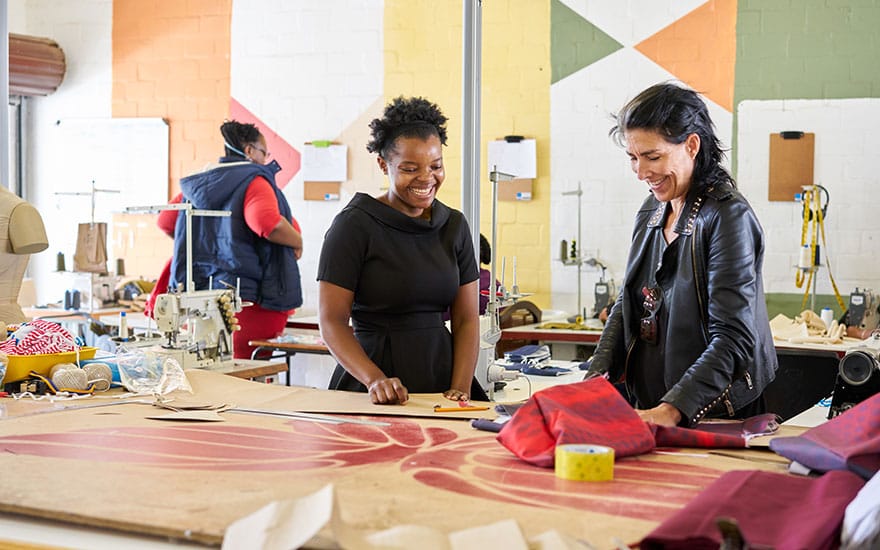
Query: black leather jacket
{"x": 719, "y": 349}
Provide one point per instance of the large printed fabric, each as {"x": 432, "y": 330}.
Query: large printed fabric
{"x": 772, "y": 510}
{"x": 593, "y": 412}
{"x": 849, "y": 441}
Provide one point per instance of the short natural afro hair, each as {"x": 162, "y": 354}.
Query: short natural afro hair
{"x": 238, "y": 135}
{"x": 406, "y": 117}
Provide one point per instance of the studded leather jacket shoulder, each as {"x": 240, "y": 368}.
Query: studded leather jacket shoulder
{"x": 719, "y": 349}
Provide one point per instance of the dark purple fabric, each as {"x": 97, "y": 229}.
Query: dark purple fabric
{"x": 848, "y": 441}
{"x": 781, "y": 511}
{"x": 762, "y": 424}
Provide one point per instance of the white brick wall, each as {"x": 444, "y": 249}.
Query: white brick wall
{"x": 582, "y": 151}
{"x": 846, "y": 144}
{"x": 83, "y": 30}
{"x": 309, "y": 83}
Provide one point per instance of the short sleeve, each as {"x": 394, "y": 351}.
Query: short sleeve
{"x": 261, "y": 213}
{"x": 168, "y": 218}
{"x": 344, "y": 249}
{"x": 468, "y": 270}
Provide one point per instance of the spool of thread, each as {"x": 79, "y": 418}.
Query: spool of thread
{"x": 60, "y": 367}
{"x": 584, "y": 462}
{"x": 120, "y": 267}
{"x": 99, "y": 374}
{"x": 59, "y": 262}
{"x": 123, "y": 327}
{"x": 804, "y": 258}
{"x": 827, "y": 316}
{"x": 72, "y": 379}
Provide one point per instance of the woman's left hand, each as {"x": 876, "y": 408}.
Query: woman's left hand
{"x": 663, "y": 414}
{"x": 455, "y": 395}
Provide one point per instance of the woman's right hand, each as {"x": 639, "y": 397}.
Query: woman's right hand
{"x": 388, "y": 391}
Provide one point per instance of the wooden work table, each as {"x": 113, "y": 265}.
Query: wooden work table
{"x": 249, "y": 369}
{"x": 293, "y": 341}
{"x": 389, "y": 465}
{"x": 533, "y": 332}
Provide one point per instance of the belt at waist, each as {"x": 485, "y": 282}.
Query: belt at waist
{"x": 362, "y": 321}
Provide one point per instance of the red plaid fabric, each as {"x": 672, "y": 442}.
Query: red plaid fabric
{"x": 38, "y": 336}
{"x": 593, "y": 412}
{"x": 590, "y": 412}
{"x": 685, "y": 437}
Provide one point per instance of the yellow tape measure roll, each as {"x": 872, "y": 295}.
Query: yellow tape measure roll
{"x": 584, "y": 462}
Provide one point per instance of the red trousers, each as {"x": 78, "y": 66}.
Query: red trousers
{"x": 257, "y": 323}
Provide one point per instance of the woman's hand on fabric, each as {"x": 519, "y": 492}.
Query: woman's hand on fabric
{"x": 388, "y": 391}
{"x": 663, "y": 414}
{"x": 456, "y": 395}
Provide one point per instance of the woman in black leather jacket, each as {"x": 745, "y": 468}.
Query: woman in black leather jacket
{"x": 689, "y": 333}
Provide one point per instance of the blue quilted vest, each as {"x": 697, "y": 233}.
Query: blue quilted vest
{"x": 225, "y": 248}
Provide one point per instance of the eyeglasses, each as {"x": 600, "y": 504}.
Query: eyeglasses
{"x": 266, "y": 153}
{"x": 648, "y": 323}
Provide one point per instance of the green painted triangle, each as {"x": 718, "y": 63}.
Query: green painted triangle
{"x": 575, "y": 42}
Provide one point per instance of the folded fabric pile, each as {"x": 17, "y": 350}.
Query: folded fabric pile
{"x": 39, "y": 336}
{"x": 849, "y": 441}
{"x": 785, "y": 511}
{"x": 807, "y": 328}
{"x": 771, "y": 511}
{"x": 528, "y": 354}
{"x": 594, "y": 412}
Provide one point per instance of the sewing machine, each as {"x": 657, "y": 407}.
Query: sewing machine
{"x": 864, "y": 310}
{"x": 198, "y": 326}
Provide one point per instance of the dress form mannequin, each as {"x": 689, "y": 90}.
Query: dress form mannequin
{"x": 22, "y": 233}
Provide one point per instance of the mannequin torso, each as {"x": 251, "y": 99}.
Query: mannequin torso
{"x": 22, "y": 233}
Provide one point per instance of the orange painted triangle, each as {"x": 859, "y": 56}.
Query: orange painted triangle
{"x": 700, "y": 50}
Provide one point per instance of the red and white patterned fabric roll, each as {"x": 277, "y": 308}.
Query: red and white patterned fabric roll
{"x": 39, "y": 336}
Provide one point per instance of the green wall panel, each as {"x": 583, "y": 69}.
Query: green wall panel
{"x": 575, "y": 42}
{"x": 810, "y": 49}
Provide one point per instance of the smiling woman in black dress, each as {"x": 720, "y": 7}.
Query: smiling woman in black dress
{"x": 394, "y": 264}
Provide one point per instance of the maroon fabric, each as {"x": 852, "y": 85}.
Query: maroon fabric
{"x": 848, "y": 441}
{"x": 590, "y": 412}
{"x": 781, "y": 511}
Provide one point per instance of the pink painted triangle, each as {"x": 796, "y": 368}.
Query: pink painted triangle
{"x": 286, "y": 155}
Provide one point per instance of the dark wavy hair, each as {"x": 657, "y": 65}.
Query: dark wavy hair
{"x": 406, "y": 117}
{"x": 675, "y": 112}
{"x": 485, "y": 250}
{"x": 238, "y": 135}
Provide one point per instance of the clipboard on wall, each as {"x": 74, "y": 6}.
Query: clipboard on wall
{"x": 791, "y": 164}
{"x": 324, "y": 168}
{"x": 514, "y": 155}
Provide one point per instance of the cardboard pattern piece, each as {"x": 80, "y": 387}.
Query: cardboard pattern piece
{"x": 190, "y": 480}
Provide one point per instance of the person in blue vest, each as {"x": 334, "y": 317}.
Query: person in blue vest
{"x": 257, "y": 247}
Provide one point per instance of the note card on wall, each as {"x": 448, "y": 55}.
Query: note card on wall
{"x": 514, "y": 157}
{"x": 324, "y": 162}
